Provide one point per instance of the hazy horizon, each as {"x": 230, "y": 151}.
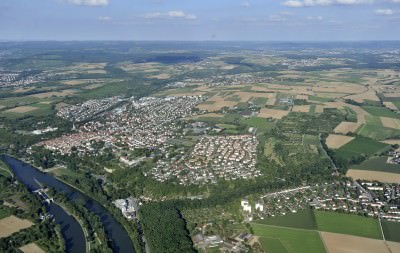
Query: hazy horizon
{"x": 176, "y": 20}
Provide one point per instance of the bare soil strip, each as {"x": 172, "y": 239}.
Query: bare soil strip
{"x": 386, "y": 177}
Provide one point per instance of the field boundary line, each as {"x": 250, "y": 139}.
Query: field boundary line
{"x": 274, "y": 226}
{"x": 323, "y": 241}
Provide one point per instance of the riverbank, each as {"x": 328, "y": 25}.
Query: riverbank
{"x": 115, "y": 230}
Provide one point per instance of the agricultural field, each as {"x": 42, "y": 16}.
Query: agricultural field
{"x": 348, "y": 224}
{"x": 391, "y": 230}
{"x": 304, "y": 219}
{"x": 335, "y": 141}
{"x": 12, "y": 224}
{"x": 380, "y": 111}
{"x": 31, "y": 248}
{"x": 378, "y": 164}
{"x": 340, "y": 243}
{"x": 360, "y": 146}
{"x": 373, "y": 176}
{"x": 293, "y": 240}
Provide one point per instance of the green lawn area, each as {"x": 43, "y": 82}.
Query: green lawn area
{"x": 380, "y": 111}
{"x": 260, "y": 101}
{"x": 378, "y": 164}
{"x": 360, "y": 145}
{"x": 391, "y": 230}
{"x": 261, "y": 124}
{"x": 293, "y": 240}
{"x": 302, "y": 219}
{"x": 348, "y": 224}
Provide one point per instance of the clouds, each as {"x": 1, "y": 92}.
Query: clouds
{"x": 311, "y": 3}
{"x": 89, "y": 2}
{"x": 384, "y": 12}
{"x": 175, "y": 14}
{"x": 104, "y": 18}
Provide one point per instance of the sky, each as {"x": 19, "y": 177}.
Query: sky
{"x": 193, "y": 20}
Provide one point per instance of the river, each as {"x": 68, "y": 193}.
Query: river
{"x": 28, "y": 175}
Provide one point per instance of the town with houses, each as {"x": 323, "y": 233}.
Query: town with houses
{"x": 227, "y": 157}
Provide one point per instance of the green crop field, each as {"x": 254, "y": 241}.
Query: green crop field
{"x": 380, "y": 111}
{"x": 378, "y": 132}
{"x": 378, "y": 164}
{"x": 293, "y": 240}
{"x": 391, "y": 230}
{"x": 319, "y": 99}
{"x": 348, "y": 224}
{"x": 360, "y": 145}
{"x": 273, "y": 245}
{"x": 302, "y": 219}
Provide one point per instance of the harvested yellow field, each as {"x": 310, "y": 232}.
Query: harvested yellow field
{"x": 12, "y": 224}
{"x": 305, "y": 97}
{"x": 22, "y": 109}
{"x": 271, "y": 101}
{"x": 93, "y": 86}
{"x": 346, "y": 127}
{"x": 62, "y": 93}
{"x": 340, "y": 243}
{"x": 194, "y": 93}
{"x": 31, "y": 248}
{"x": 162, "y": 76}
{"x": 374, "y": 175}
{"x": 337, "y": 87}
{"x": 369, "y": 95}
{"x": 216, "y": 103}
{"x": 392, "y": 142}
{"x": 391, "y": 106}
{"x": 392, "y": 95}
{"x": 301, "y": 108}
{"x": 390, "y": 122}
{"x": 96, "y": 71}
{"x": 319, "y": 108}
{"x": 246, "y": 96}
{"x": 335, "y": 141}
{"x": 24, "y": 89}
{"x": 272, "y": 113}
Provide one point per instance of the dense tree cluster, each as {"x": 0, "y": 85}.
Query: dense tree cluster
{"x": 165, "y": 229}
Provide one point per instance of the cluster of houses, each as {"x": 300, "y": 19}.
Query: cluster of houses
{"x": 234, "y": 244}
{"x": 88, "y": 109}
{"x": 365, "y": 198}
{"x": 144, "y": 123}
{"x": 228, "y": 157}
{"x": 394, "y": 157}
{"x": 222, "y": 80}
{"x": 17, "y": 79}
